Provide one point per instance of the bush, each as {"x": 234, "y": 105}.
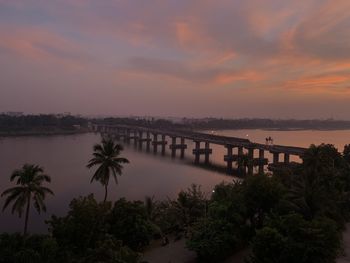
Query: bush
{"x": 34, "y": 248}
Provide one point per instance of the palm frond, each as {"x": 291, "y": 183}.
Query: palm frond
{"x": 39, "y": 204}
{"x": 19, "y": 204}
{"x": 11, "y": 190}
{"x": 93, "y": 162}
{"x": 11, "y": 198}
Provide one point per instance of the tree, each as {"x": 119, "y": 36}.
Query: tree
{"x": 321, "y": 159}
{"x": 223, "y": 229}
{"x": 213, "y": 239}
{"x": 268, "y": 246}
{"x": 106, "y": 157}
{"x": 29, "y": 180}
{"x": 190, "y": 206}
{"x": 321, "y": 187}
{"x": 346, "y": 153}
{"x": 292, "y": 239}
{"x": 129, "y": 222}
{"x": 83, "y": 226}
{"x": 261, "y": 194}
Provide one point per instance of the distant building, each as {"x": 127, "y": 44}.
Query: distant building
{"x": 14, "y": 113}
{"x": 62, "y": 115}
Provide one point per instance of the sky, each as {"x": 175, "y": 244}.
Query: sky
{"x": 185, "y": 58}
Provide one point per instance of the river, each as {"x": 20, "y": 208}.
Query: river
{"x": 64, "y": 158}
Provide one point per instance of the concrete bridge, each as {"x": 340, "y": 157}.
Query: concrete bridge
{"x": 155, "y": 139}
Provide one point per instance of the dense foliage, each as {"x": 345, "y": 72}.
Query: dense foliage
{"x": 295, "y": 216}
{"x": 44, "y": 122}
{"x": 91, "y": 232}
{"x": 307, "y": 226}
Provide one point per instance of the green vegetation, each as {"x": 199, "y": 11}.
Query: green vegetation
{"x": 294, "y": 216}
{"x": 106, "y": 157}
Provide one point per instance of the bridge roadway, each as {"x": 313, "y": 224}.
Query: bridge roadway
{"x": 198, "y": 137}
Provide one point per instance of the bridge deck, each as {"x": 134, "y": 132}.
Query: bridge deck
{"x": 216, "y": 139}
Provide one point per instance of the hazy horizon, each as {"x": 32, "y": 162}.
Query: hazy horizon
{"x": 167, "y": 116}
{"x": 231, "y": 59}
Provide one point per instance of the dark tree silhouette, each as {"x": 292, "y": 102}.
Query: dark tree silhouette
{"x": 29, "y": 180}
{"x": 106, "y": 157}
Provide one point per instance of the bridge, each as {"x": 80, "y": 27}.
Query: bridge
{"x": 157, "y": 138}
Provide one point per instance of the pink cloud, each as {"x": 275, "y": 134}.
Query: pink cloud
{"x": 41, "y": 45}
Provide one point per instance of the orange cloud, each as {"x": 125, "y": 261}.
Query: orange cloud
{"x": 249, "y": 76}
{"x": 190, "y": 36}
{"x": 39, "y": 44}
{"x": 321, "y": 84}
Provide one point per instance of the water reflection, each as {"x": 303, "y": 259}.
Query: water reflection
{"x": 65, "y": 159}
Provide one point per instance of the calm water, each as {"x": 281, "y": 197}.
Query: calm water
{"x": 64, "y": 159}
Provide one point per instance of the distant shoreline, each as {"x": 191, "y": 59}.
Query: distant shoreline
{"x": 4, "y": 134}
{"x": 277, "y": 129}
{"x": 40, "y": 133}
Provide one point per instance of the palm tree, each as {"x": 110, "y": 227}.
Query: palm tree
{"x": 29, "y": 180}
{"x": 106, "y": 157}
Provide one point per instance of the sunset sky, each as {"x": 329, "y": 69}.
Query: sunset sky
{"x": 193, "y": 58}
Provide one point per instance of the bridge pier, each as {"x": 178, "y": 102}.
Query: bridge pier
{"x": 142, "y": 140}
{"x": 173, "y": 146}
{"x": 286, "y": 158}
{"x": 240, "y": 159}
{"x": 136, "y": 138}
{"x": 275, "y": 157}
{"x": 183, "y": 147}
{"x": 155, "y": 143}
{"x": 132, "y": 135}
{"x": 197, "y": 151}
{"x": 148, "y": 143}
{"x": 250, "y": 160}
{"x": 261, "y": 161}
{"x": 127, "y": 136}
{"x": 164, "y": 142}
{"x": 229, "y": 158}
{"x": 122, "y": 135}
{"x": 207, "y": 152}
